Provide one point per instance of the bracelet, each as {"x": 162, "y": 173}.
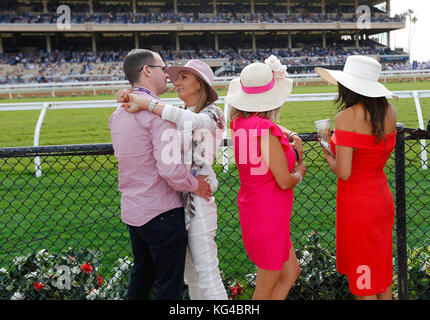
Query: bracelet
{"x": 290, "y": 136}
{"x": 299, "y": 176}
{"x": 152, "y": 104}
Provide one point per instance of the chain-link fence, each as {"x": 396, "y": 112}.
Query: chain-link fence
{"x": 62, "y": 238}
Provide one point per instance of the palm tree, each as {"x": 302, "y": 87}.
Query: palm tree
{"x": 412, "y": 21}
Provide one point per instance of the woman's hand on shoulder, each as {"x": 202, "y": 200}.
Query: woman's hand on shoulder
{"x": 136, "y": 103}
{"x": 122, "y": 95}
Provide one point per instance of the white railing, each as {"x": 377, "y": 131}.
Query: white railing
{"x": 45, "y": 106}
{"x": 53, "y": 88}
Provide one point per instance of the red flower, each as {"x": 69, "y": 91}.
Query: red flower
{"x": 72, "y": 258}
{"x": 38, "y": 286}
{"x": 87, "y": 268}
{"x": 313, "y": 232}
{"x": 99, "y": 280}
{"x": 238, "y": 288}
{"x": 234, "y": 292}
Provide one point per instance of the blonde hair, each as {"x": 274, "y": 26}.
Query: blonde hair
{"x": 272, "y": 115}
{"x": 203, "y": 100}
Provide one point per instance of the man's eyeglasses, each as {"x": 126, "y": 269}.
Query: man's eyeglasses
{"x": 163, "y": 68}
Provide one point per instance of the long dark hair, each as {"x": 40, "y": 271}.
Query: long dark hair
{"x": 376, "y": 107}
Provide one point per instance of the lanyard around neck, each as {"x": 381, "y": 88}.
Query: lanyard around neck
{"x": 144, "y": 90}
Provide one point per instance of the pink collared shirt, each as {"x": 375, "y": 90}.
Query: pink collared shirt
{"x": 149, "y": 181}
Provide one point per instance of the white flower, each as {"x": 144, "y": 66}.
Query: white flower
{"x": 279, "y": 70}
{"x": 115, "y": 278}
{"x": 43, "y": 255}
{"x": 17, "y": 296}
{"x": 273, "y": 62}
{"x": 41, "y": 252}
{"x": 93, "y": 294}
{"x": 124, "y": 264}
{"x": 31, "y": 275}
{"x": 251, "y": 279}
{"x": 307, "y": 257}
{"x": 75, "y": 270}
{"x": 19, "y": 259}
{"x": 3, "y": 270}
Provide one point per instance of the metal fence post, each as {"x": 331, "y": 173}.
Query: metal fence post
{"x": 402, "y": 259}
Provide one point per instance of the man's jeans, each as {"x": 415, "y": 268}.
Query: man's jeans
{"x": 159, "y": 248}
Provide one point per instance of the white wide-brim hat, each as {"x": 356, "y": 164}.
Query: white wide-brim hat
{"x": 199, "y": 69}
{"x": 360, "y": 74}
{"x": 258, "y": 90}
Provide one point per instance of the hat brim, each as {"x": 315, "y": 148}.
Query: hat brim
{"x": 260, "y": 102}
{"x": 174, "y": 71}
{"x": 365, "y": 87}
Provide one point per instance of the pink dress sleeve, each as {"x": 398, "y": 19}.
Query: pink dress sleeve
{"x": 263, "y": 126}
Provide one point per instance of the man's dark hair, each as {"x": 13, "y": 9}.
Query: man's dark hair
{"x": 136, "y": 59}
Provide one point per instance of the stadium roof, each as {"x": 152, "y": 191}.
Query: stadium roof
{"x": 282, "y": 2}
{"x": 151, "y": 2}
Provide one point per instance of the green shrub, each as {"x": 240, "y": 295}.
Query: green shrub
{"x": 319, "y": 279}
{"x": 419, "y": 272}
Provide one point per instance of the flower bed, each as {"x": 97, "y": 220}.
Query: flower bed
{"x": 71, "y": 275}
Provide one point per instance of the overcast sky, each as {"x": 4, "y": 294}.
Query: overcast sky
{"x": 420, "y": 48}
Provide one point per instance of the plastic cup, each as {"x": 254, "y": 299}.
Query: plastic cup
{"x": 323, "y": 129}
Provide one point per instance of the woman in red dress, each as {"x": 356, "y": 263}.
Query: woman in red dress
{"x": 364, "y": 137}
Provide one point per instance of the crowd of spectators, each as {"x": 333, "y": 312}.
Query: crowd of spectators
{"x": 406, "y": 66}
{"x": 170, "y": 17}
{"x": 60, "y": 66}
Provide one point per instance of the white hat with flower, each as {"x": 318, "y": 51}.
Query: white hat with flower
{"x": 261, "y": 87}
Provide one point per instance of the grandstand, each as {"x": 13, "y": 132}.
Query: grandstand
{"x": 228, "y": 34}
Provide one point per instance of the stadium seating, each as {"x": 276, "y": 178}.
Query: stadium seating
{"x": 66, "y": 66}
{"x": 27, "y": 57}
{"x": 142, "y": 18}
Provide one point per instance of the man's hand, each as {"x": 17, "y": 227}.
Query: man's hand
{"x": 204, "y": 190}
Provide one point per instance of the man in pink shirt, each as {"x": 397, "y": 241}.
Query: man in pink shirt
{"x": 150, "y": 182}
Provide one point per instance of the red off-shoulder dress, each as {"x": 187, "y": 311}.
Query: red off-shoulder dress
{"x": 365, "y": 214}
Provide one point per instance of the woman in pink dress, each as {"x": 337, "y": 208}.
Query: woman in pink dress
{"x": 265, "y": 160}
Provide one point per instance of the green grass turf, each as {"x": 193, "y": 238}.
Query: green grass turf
{"x": 82, "y": 126}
